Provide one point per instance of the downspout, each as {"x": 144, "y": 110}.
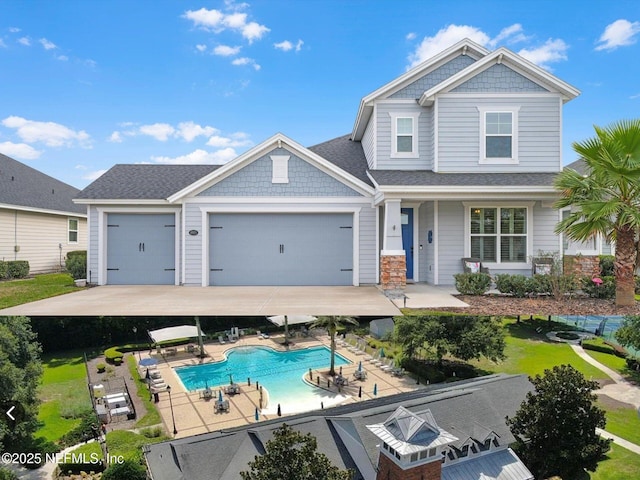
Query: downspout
{"x": 15, "y": 235}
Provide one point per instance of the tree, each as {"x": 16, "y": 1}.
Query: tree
{"x": 555, "y": 426}
{"x": 333, "y": 323}
{"x": 628, "y": 335}
{"x": 20, "y": 372}
{"x": 290, "y": 455}
{"x": 127, "y": 470}
{"x": 464, "y": 337}
{"x": 606, "y": 199}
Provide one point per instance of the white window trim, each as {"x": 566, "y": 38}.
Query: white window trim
{"x": 69, "y": 230}
{"x": 280, "y": 168}
{"x": 498, "y": 264}
{"x": 415, "y": 139}
{"x": 513, "y": 160}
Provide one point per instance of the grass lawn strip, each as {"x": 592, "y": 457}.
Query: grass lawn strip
{"x": 152, "y": 416}
{"x": 18, "y": 292}
{"x": 619, "y": 464}
{"x": 122, "y": 442}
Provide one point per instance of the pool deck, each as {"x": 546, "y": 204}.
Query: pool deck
{"x": 195, "y": 415}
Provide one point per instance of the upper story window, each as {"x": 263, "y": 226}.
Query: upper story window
{"x": 499, "y": 135}
{"x": 73, "y": 230}
{"x": 404, "y": 135}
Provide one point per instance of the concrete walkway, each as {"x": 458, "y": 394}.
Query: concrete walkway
{"x": 423, "y": 295}
{"x": 622, "y": 390}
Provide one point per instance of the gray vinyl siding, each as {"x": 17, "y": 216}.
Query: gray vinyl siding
{"x": 368, "y": 143}
{"x": 193, "y": 244}
{"x": 255, "y": 180}
{"x": 384, "y": 134}
{"x": 499, "y": 79}
{"x": 417, "y": 88}
{"x": 450, "y": 240}
{"x": 538, "y": 133}
{"x": 427, "y": 254}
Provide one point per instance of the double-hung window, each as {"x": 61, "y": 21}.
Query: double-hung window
{"x": 499, "y": 135}
{"x": 499, "y": 234}
{"x": 73, "y": 230}
{"x": 404, "y": 135}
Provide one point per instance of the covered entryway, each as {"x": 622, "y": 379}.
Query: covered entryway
{"x": 141, "y": 249}
{"x": 281, "y": 249}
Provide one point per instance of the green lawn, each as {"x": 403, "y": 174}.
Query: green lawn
{"x": 619, "y": 464}
{"x": 63, "y": 393}
{"x": 17, "y": 292}
{"x": 122, "y": 442}
{"x": 532, "y": 353}
{"x": 152, "y": 416}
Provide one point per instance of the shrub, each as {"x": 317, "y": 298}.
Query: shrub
{"x": 472, "y": 283}
{"x": 113, "y": 353}
{"x": 101, "y": 367}
{"x": 154, "y": 432}
{"x": 4, "y": 271}
{"x": 516, "y": 285}
{"x": 637, "y": 280}
{"x": 127, "y": 470}
{"x": 606, "y": 265}
{"x": 597, "y": 346}
{"x": 76, "y": 264}
{"x": 633, "y": 363}
{"x": 604, "y": 289}
{"x": 85, "y": 431}
{"x": 18, "y": 268}
{"x": 6, "y": 474}
{"x": 423, "y": 370}
{"x": 567, "y": 335}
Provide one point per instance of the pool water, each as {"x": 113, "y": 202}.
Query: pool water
{"x": 279, "y": 372}
{"x": 604, "y": 326}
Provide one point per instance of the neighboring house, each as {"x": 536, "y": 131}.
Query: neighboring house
{"x": 455, "y": 158}
{"x": 457, "y": 432}
{"x": 39, "y": 222}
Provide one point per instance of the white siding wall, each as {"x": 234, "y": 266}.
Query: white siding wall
{"x": 193, "y": 219}
{"x": 538, "y": 132}
{"x": 383, "y": 137}
{"x": 368, "y": 143}
{"x": 39, "y": 237}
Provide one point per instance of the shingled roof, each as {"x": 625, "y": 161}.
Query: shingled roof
{"x": 346, "y": 154}
{"x": 26, "y": 187}
{"x": 429, "y": 178}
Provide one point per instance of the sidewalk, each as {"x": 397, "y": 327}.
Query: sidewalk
{"x": 621, "y": 390}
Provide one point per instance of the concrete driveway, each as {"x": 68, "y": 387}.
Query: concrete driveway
{"x": 175, "y": 300}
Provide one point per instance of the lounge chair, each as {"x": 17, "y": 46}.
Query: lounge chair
{"x": 473, "y": 265}
{"x": 389, "y": 366}
{"x": 207, "y": 394}
{"x": 221, "y": 340}
{"x": 259, "y": 334}
{"x": 221, "y": 406}
{"x": 360, "y": 375}
{"x": 232, "y": 389}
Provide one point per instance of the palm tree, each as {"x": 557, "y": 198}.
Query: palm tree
{"x": 332, "y": 323}
{"x": 606, "y": 199}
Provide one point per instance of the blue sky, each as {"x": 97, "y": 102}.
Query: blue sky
{"x": 88, "y": 84}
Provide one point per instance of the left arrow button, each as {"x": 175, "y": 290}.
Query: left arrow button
{"x": 9, "y": 413}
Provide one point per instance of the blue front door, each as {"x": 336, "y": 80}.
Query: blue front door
{"x": 406, "y": 215}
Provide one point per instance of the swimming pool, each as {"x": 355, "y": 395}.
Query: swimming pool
{"x": 602, "y": 325}
{"x": 279, "y": 372}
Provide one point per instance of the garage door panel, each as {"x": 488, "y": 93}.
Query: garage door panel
{"x": 141, "y": 249}
{"x": 281, "y": 249}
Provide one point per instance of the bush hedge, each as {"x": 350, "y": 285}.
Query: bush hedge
{"x": 13, "y": 269}
{"x": 472, "y": 283}
{"x": 76, "y": 264}
{"x": 606, "y": 289}
{"x": 606, "y": 265}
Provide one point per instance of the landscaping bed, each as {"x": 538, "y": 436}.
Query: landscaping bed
{"x": 502, "y": 305}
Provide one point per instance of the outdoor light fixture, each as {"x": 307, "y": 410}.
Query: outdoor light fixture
{"x": 173, "y": 418}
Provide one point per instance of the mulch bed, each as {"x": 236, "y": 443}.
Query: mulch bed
{"x": 492, "y": 304}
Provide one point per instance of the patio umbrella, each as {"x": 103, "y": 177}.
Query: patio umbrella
{"x": 147, "y": 362}
{"x": 360, "y": 366}
{"x": 219, "y": 395}
{"x": 257, "y": 415}
{"x": 375, "y": 389}
{"x": 147, "y": 376}
{"x": 381, "y": 352}
{"x": 279, "y": 411}
{"x": 230, "y": 379}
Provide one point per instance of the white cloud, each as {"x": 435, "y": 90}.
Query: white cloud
{"x": 14, "y": 29}
{"x": 246, "y": 61}
{"x": 159, "y": 131}
{"x": 226, "y": 51}
{"x": 239, "y": 139}
{"x": 551, "y": 51}
{"x": 620, "y": 33}
{"x": 199, "y": 157}
{"x": 26, "y": 41}
{"x": 2, "y": 44}
{"x": 217, "y": 21}
{"x": 633, "y": 97}
{"x": 410, "y": 36}
{"x": 286, "y": 45}
{"x": 93, "y": 175}
{"x": 201, "y": 48}
{"x": 62, "y": 58}
{"x": 50, "y": 133}
{"x": 188, "y": 131}
{"x": 115, "y": 137}
{"x": 442, "y": 40}
{"x": 46, "y": 44}
{"x": 19, "y": 150}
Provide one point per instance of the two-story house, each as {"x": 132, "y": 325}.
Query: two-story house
{"x": 453, "y": 159}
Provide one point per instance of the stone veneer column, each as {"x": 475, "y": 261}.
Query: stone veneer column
{"x": 393, "y": 273}
{"x": 388, "y": 470}
{"x": 582, "y": 265}
{"x": 393, "y": 264}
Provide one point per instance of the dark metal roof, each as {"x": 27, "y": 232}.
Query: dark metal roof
{"x": 457, "y": 408}
{"x": 429, "y": 178}
{"x": 346, "y": 154}
{"x": 144, "y": 182}
{"x": 24, "y": 186}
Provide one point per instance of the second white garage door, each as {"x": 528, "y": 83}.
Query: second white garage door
{"x": 281, "y": 249}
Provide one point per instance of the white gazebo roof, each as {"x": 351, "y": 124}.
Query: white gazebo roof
{"x": 279, "y": 320}
{"x": 173, "y": 333}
